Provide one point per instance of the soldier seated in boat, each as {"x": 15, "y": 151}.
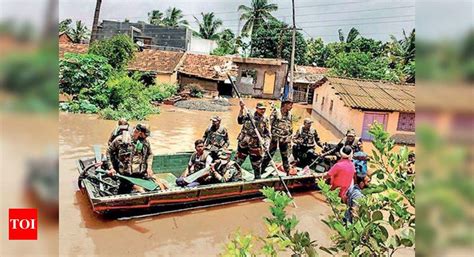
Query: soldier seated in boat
{"x": 122, "y": 125}
{"x": 305, "y": 141}
{"x": 224, "y": 170}
{"x": 350, "y": 139}
{"x": 133, "y": 157}
{"x": 215, "y": 137}
{"x": 199, "y": 160}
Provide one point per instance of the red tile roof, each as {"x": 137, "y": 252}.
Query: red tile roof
{"x": 155, "y": 60}
{"x": 311, "y": 69}
{"x": 374, "y": 95}
{"x": 72, "y": 48}
{"x": 208, "y": 66}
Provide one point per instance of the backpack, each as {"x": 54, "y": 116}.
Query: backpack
{"x": 360, "y": 163}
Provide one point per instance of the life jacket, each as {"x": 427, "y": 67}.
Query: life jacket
{"x": 199, "y": 162}
{"x": 216, "y": 139}
{"x": 281, "y": 125}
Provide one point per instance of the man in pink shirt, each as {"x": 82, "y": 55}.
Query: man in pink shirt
{"x": 341, "y": 175}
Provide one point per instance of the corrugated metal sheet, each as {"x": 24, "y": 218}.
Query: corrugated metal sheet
{"x": 374, "y": 95}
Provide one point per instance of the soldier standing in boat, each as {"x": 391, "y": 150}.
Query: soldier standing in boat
{"x": 122, "y": 125}
{"x": 224, "y": 170}
{"x": 199, "y": 160}
{"x": 215, "y": 137}
{"x": 305, "y": 141}
{"x": 281, "y": 130}
{"x": 133, "y": 157}
{"x": 248, "y": 142}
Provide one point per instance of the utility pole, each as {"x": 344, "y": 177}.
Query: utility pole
{"x": 96, "y": 21}
{"x": 292, "y": 59}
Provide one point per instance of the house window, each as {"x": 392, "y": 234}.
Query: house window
{"x": 406, "y": 122}
{"x": 249, "y": 77}
{"x": 322, "y": 103}
{"x": 331, "y": 105}
{"x": 316, "y": 98}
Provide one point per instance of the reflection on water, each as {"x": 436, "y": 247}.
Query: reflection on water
{"x": 202, "y": 232}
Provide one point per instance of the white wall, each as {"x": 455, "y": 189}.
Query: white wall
{"x": 202, "y": 46}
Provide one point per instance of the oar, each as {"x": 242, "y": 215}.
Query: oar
{"x": 260, "y": 139}
{"x": 196, "y": 175}
{"x": 147, "y": 184}
{"x": 97, "y": 153}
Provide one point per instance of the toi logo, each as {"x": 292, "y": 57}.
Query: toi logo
{"x": 22, "y": 224}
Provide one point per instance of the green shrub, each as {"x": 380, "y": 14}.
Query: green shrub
{"x": 161, "y": 91}
{"x": 118, "y": 50}
{"x": 195, "y": 90}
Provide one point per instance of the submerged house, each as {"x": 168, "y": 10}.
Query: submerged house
{"x": 207, "y": 71}
{"x": 356, "y": 104}
{"x": 162, "y": 65}
{"x": 261, "y": 77}
{"x": 305, "y": 80}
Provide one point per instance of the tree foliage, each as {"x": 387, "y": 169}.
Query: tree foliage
{"x": 256, "y": 14}
{"x": 64, "y": 26}
{"x": 118, "y": 50}
{"x": 314, "y": 52}
{"x": 174, "y": 18}
{"x": 155, "y": 17}
{"x": 227, "y": 43}
{"x": 273, "y": 40}
{"x": 209, "y": 26}
{"x": 79, "y": 32}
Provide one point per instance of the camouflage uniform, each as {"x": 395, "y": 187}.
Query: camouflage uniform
{"x": 282, "y": 130}
{"x": 305, "y": 141}
{"x": 130, "y": 159}
{"x": 226, "y": 172}
{"x": 118, "y": 131}
{"x": 215, "y": 140}
{"x": 248, "y": 143}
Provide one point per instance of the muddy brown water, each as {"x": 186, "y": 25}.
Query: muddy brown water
{"x": 192, "y": 233}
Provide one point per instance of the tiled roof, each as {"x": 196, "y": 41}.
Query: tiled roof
{"x": 261, "y": 61}
{"x": 72, "y": 48}
{"x": 208, "y": 66}
{"x": 155, "y": 60}
{"x": 374, "y": 95}
{"x": 311, "y": 69}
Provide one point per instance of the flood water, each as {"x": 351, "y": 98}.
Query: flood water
{"x": 193, "y": 233}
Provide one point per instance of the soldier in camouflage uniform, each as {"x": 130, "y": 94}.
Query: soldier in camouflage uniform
{"x": 305, "y": 141}
{"x": 224, "y": 170}
{"x": 133, "y": 157}
{"x": 282, "y": 130}
{"x": 122, "y": 125}
{"x": 351, "y": 140}
{"x": 215, "y": 138}
{"x": 199, "y": 160}
{"x": 248, "y": 142}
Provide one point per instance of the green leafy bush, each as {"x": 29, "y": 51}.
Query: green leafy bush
{"x": 118, "y": 50}
{"x": 162, "y": 91}
{"x": 195, "y": 90}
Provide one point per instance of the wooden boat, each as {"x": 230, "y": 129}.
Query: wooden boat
{"x": 167, "y": 168}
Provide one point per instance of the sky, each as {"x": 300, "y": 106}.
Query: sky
{"x": 375, "y": 19}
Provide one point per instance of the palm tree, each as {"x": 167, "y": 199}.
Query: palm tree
{"x": 174, "y": 18}
{"x": 402, "y": 51}
{"x": 155, "y": 17}
{"x": 209, "y": 26}
{"x": 64, "y": 26}
{"x": 79, "y": 32}
{"x": 351, "y": 36}
{"x": 255, "y": 15}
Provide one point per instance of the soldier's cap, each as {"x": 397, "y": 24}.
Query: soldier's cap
{"x": 351, "y": 133}
{"x": 261, "y": 105}
{"x": 224, "y": 154}
{"x": 216, "y": 118}
{"x": 143, "y": 128}
{"x": 308, "y": 120}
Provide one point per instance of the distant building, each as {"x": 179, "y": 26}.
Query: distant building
{"x": 305, "y": 79}
{"x": 356, "y": 104}
{"x": 207, "y": 71}
{"x": 261, "y": 77}
{"x": 163, "y": 64}
{"x": 64, "y": 38}
{"x": 202, "y": 46}
{"x": 162, "y": 38}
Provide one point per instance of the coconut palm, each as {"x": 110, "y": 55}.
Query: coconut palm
{"x": 401, "y": 51}
{"x": 174, "y": 18}
{"x": 209, "y": 26}
{"x": 79, "y": 32}
{"x": 351, "y": 36}
{"x": 64, "y": 26}
{"x": 155, "y": 17}
{"x": 256, "y": 14}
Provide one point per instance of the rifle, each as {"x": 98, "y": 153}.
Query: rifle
{"x": 260, "y": 139}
